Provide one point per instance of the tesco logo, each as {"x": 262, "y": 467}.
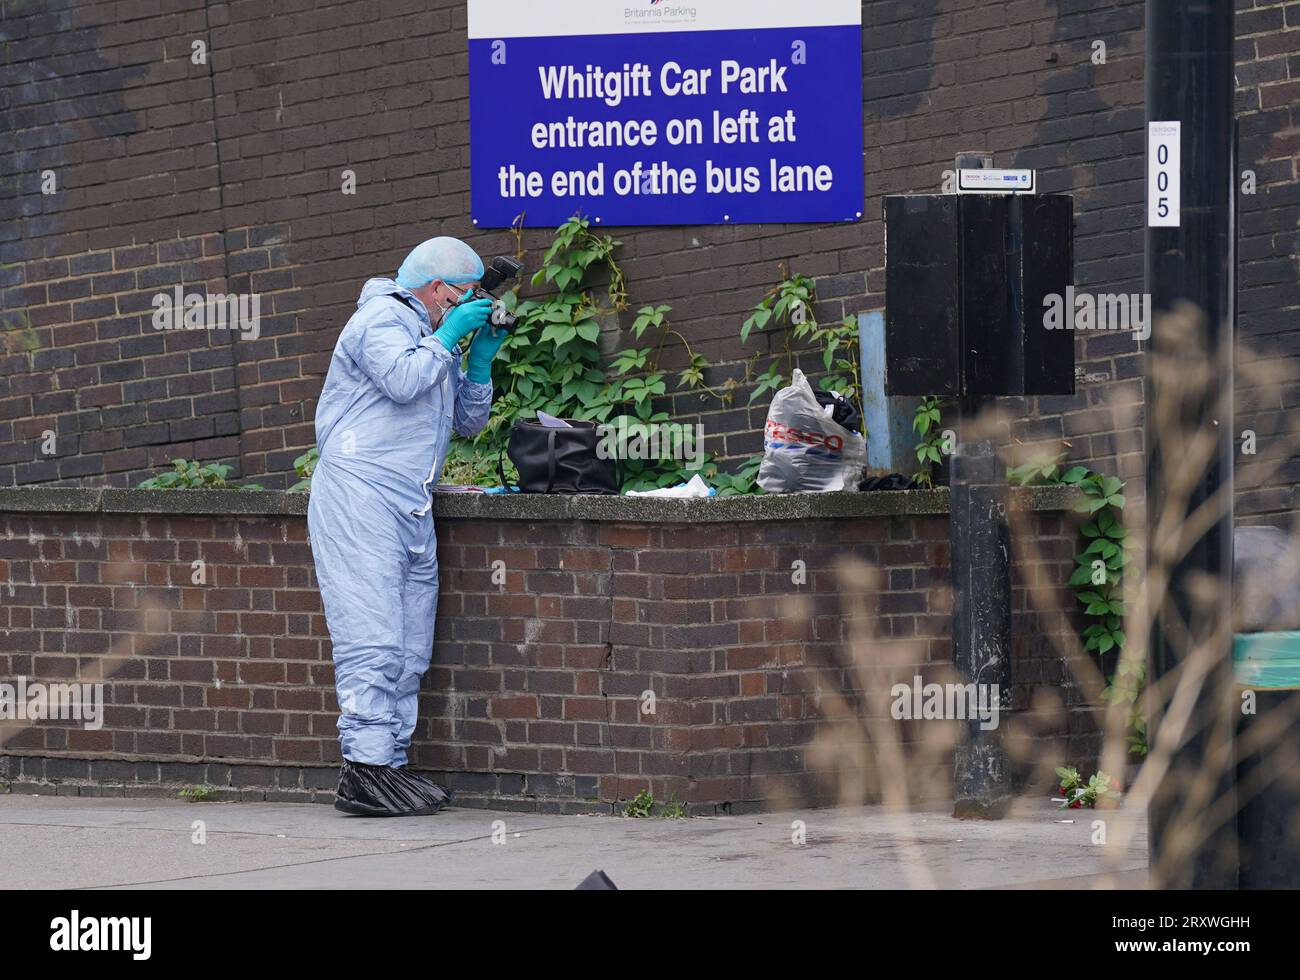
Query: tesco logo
{"x": 786, "y": 433}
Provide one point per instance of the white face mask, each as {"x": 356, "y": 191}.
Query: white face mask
{"x": 436, "y": 318}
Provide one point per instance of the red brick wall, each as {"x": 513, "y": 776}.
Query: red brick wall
{"x": 153, "y": 153}
{"x": 534, "y": 695}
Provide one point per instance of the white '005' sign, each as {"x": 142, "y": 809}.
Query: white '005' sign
{"x": 1164, "y": 142}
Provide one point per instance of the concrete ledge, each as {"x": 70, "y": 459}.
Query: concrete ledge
{"x": 231, "y": 502}
{"x": 529, "y": 507}
{"x": 48, "y": 500}
{"x": 713, "y": 510}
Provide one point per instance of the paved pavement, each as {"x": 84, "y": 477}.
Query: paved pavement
{"x": 98, "y": 842}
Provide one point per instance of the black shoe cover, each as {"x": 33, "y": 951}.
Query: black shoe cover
{"x": 382, "y": 791}
{"x": 427, "y": 785}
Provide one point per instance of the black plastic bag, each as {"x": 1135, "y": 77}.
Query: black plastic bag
{"x": 844, "y": 413}
{"x": 563, "y": 459}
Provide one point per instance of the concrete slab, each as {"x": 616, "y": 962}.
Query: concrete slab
{"x": 74, "y": 842}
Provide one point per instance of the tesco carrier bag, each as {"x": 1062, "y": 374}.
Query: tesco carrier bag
{"x": 804, "y": 448}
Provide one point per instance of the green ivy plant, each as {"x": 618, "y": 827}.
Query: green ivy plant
{"x": 929, "y": 451}
{"x": 1037, "y": 472}
{"x": 189, "y": 474}
{"x": 1098, "y": 575}
{"x": 305, "y": 466}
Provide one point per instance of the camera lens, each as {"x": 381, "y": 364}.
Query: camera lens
{"x": 502, "y": 318}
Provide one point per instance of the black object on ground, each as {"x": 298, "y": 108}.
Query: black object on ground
{"x": 597, "y": 881}
{"x": 382, "y": 791}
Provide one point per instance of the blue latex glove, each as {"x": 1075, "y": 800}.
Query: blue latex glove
{"x": 486, "y": 344}
{"x": 463, "y": 318}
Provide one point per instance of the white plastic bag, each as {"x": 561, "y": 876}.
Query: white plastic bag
{"x": 804, "y": 450}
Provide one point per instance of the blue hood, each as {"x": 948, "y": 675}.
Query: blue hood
{"x": 383, "y": 286}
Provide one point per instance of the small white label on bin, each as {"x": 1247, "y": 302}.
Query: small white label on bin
{"x": 1164, "y": 174}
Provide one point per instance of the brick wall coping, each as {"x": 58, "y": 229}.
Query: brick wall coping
{"x": 526, "y": 507}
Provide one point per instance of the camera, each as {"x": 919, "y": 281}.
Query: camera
{"x": 501, "y": 269}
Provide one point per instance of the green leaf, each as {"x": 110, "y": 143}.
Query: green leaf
{"x": 1081, "y": 576}
{"x": 552, "y": 333}
{"x": 758, "y": 319}
{"x": 1074, "y": 474}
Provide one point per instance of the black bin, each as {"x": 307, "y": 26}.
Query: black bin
{"x": 965, "y": 280}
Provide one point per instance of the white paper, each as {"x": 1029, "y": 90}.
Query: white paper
{"x": 695, "y": 487}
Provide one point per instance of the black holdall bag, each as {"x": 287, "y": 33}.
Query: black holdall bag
{"x": 558, "y": 459}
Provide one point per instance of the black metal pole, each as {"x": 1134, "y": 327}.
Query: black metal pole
{"x": 981, "y": 635}
{"x": 1190, "y": 259}
{"x": 979, "y": 545}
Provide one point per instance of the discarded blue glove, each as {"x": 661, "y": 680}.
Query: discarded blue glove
{"x": 464, "y": 318}
{"x": 486, "y": 344}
